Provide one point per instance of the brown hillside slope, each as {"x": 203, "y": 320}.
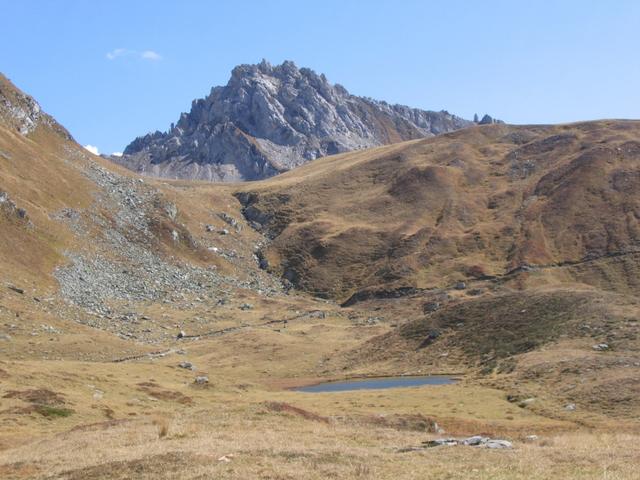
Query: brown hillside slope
{"x": 100, "y": 270}
{"x": 474, "y": 203}
{"x": 57, "y": 198}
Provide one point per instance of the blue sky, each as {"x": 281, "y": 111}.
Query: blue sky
{"x": 112, "y": 70}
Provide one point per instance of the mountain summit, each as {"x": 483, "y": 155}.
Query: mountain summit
{"x": 269, "y": 119}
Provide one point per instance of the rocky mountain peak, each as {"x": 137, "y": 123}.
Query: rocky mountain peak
{"x": 22, "y": 112}
{"x": 271, "y": 118}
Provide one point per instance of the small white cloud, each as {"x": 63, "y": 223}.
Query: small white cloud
{"x": 151, "y": 55}
{"x": 92, "y": 149}
{"x": 118, "y": 52}
{"x": 117, "y": 154}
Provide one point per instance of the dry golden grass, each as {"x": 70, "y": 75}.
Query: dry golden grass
{"x": 256, "y": 444}
{"x": 474, "y": 202}
{"x": 127, "y": 431}
{"x": 67, "y": 410}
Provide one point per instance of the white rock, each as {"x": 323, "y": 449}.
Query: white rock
{"x": 498, "y": 444}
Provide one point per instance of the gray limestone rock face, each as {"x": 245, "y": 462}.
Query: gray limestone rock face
{"x": 269, "y": 119}
{"x": 22, "y": 112}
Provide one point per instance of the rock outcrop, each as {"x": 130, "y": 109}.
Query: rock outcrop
{"x": 21, "y": 112}
{"x": 269, "y": 119}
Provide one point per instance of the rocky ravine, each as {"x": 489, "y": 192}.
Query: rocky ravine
{"x": 269, "y": 119}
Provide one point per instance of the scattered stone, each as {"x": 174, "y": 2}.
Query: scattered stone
{"x": 181, "y": 334}
{"x": 5, "y": 337}
{"x": 16, "y": 289}
{"x": 601, "y": 347}
{"x": 431, "y": 307}
{"x": 201, "y": 380}
{"x": 187, "y": 365}
{"x": 209, "y": 228}
{"x": 246, "y": 306}
{"x": 224, "y": 231}
{"x": 570, "y": 407}
{"x": 225, "y": 217}
{"x": 50, "y": 329}
{"x": 171, "y": 210}
{"x": 475, "y": 441}
{"x": 498, "y": 444}
{"x": 531, "y": 438}
{"x": 460, "y": 286}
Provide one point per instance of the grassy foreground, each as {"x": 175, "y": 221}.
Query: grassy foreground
{"x": 147, "y": 419}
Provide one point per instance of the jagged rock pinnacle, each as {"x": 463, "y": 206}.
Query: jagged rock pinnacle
{"x": 269, "y": 119}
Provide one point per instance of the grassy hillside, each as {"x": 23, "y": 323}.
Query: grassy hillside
{"x": 117, "y": 293}
{"x": 470, "y": 204}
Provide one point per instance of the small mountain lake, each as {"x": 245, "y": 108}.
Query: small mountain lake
{"x": 377, "y": 383}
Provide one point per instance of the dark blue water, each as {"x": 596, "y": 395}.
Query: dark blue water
{"x": 377, "y": 383}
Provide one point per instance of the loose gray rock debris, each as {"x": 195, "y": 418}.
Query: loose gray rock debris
{"x": 225, "y": 217}
{"x": 475, "y": 441}
{"x": 122, "y": 264}
{"x": 10, "y": 209}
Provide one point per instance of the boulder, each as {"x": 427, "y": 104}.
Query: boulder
{"x": 475, "y": 440}
{"x": 491, "y": 443}
{"x": 431, "y": 307}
